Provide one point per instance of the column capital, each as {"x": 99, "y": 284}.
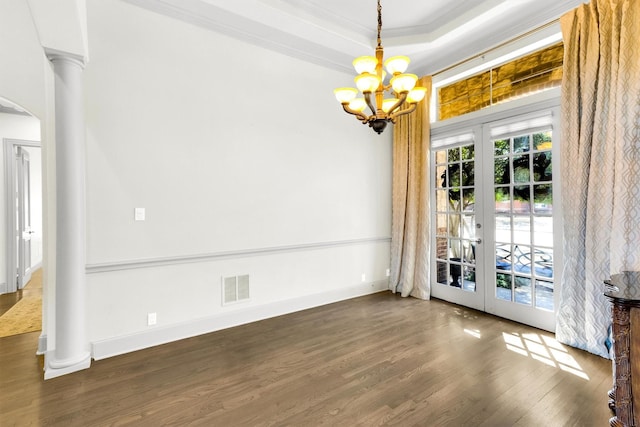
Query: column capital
{"x": 54, "y": 55}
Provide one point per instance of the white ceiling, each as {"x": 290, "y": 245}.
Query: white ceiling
{"x": 433, "y": 33}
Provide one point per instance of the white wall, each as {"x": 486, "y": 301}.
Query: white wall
{"x": 22, "y": 78}
{"x": 291, "y": 190}
{"x": 245, "y": 164}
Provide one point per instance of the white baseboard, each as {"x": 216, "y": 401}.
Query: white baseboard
{"x": 125, "y": 344}
{"x": 42, "y": 344}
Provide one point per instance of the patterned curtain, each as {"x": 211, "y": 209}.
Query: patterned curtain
{"x": 410, "y": 210}
{"x": 600, "y": 163}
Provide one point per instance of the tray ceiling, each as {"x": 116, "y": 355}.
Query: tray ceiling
{"x": 434, "y": 34}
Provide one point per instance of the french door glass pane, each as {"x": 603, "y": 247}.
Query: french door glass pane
{"x": 455, "y": 218}
{"x": 523, "y": 219}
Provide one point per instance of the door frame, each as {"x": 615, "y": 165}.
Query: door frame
{"x": 11, "y": 246}
{"x": 548, "y": 100}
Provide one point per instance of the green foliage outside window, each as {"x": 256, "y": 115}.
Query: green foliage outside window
{"x": 503, "y": 281}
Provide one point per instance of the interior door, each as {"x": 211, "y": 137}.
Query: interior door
{"x": 23, "y": 213}
{"x": 457, "y": 232}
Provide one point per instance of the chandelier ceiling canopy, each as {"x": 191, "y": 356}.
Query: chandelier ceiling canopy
{"x": 385, "y": 101}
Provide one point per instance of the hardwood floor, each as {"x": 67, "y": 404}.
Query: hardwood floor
{"x": 374, "y": 360}
{"x": 34, "y": 286}
{"x": 9, "y": 300}
{"x": 21, "y": 311}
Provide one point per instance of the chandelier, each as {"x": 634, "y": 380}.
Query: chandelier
{"x": 370, "y": 81}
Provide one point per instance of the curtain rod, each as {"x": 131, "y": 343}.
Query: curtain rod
{"x": 485, "y": 52}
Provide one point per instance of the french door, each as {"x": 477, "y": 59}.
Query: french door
{"x": 493, "y": 217}
{"x": 457, "y": 219}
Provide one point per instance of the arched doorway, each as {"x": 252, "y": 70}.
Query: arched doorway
{"x": 21, "y": 214}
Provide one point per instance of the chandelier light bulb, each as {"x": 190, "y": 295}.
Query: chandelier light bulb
{"x": 367, "y": 82}
{"x": 397, "y": 64}
{"x": 416, "y": 94}
{"x": 345, "y": 94}
{"x": 358, "y": 104}
{"x": 388, "y": 103}
{"x": 365, "y": 64}
{"x": 403, "y": 82}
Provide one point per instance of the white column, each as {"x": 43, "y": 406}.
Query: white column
{"x": 71, "y": 351}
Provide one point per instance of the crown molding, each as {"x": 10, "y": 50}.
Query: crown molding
{"x": 324, "y": 34}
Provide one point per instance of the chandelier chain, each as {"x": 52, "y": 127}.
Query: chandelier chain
{"x": 379, "y": 23}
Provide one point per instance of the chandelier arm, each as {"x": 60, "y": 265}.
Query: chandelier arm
{"x": 367, "y": 98}
{"x": 411, "y": 109}
{"x": 363, "y": 118}
{"x": 403, "y": 97}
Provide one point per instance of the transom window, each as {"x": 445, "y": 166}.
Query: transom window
{"x": 529, "y": 74}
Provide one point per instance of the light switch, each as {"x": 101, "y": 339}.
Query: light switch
{"x": 139, "y": 214}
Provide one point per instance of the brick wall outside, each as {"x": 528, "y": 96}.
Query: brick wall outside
{"x": 442, "y": 251}
{"x": 537, "y": 71}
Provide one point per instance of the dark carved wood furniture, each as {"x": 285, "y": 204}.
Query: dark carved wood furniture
{"x": 624, "y": 292}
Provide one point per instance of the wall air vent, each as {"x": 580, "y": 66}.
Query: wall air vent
{"x": 235, "y": 289}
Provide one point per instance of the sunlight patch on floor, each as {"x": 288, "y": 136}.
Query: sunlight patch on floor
{"x": 473, "y": 332}
{"x": 543, "y": 349}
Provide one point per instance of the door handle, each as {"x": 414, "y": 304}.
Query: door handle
{"x": 478, "y": 240}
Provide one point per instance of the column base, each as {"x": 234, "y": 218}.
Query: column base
{"x": 56, "y": 368}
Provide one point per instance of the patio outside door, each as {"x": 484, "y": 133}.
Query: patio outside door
{"x": 495, "y": 237}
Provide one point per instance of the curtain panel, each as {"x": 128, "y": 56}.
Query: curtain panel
{"x": 600, "y": 164}
{"x": 410, "y": 238}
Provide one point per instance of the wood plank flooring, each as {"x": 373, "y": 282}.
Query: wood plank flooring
{"x": 21, "y": 311}
{"x": 374, "y": 360}
{"x": 34, "y": 286}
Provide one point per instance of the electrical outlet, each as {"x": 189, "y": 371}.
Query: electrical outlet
{"x": 139, "y": 214}
{"x": 388, "y": 272}
{"x": 364, "y": 277}
{"x": 151, "y": 319}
